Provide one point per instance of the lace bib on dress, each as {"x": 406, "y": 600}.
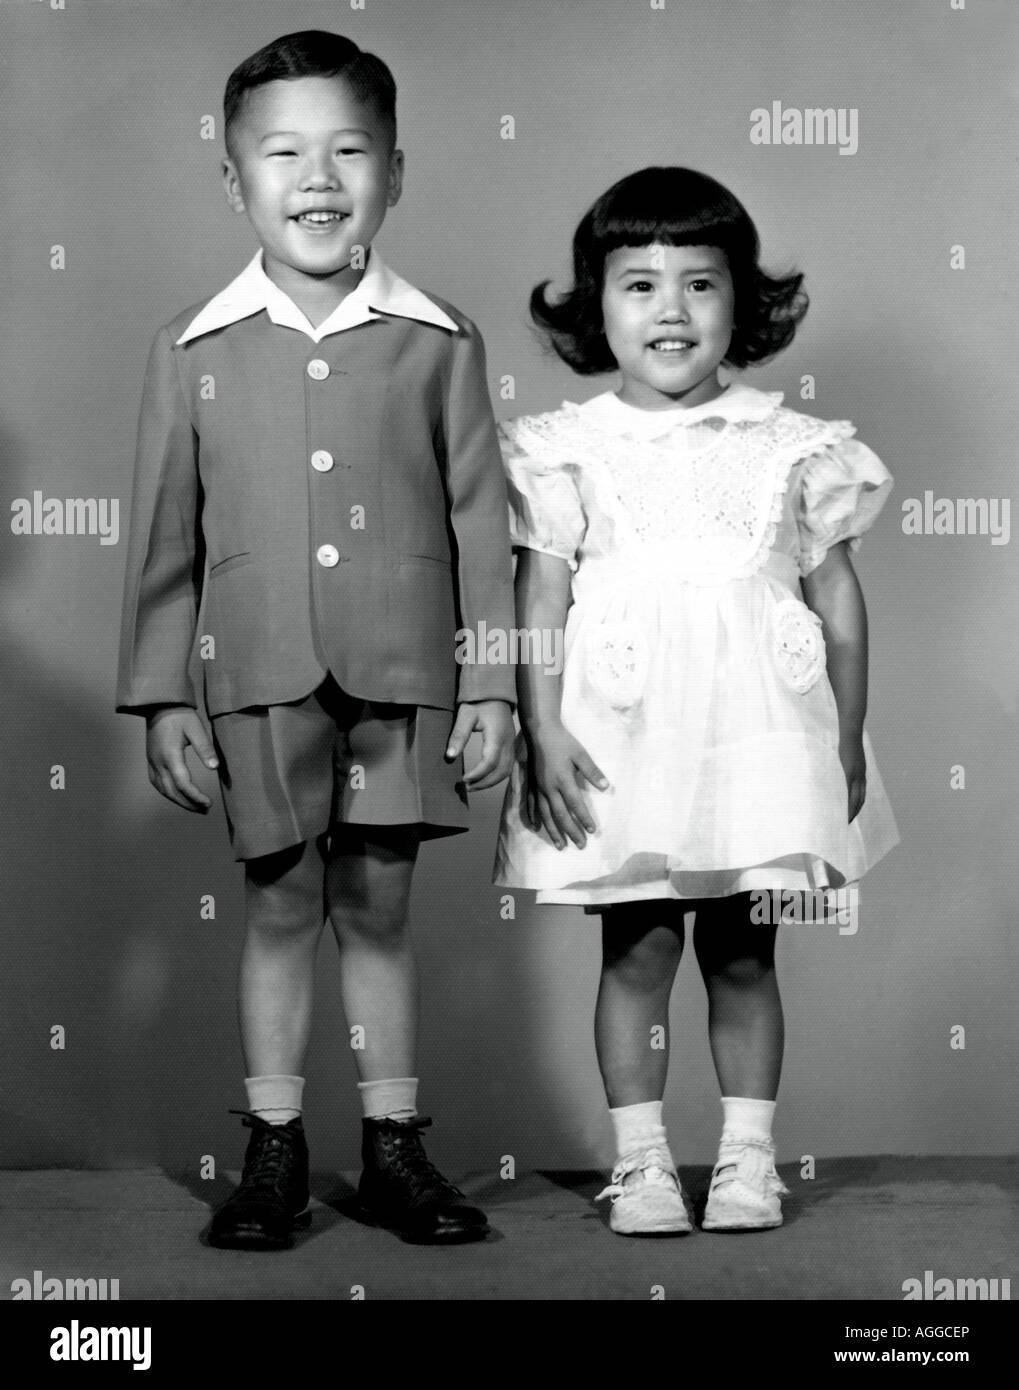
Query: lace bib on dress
{"x": 710, "y": 490}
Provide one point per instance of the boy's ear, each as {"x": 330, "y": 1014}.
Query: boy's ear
{"x": 395, "y": 178}
{"x": 232, "y": 184}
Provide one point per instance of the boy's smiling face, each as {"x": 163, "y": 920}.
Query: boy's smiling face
{"x": 313, "y": 168}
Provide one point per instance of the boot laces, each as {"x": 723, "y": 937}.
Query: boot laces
{"x": 406, "y": 1156}
{"x": 271, "y": 1162}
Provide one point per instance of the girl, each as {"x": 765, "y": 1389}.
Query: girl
{"x": 694, "y": 540}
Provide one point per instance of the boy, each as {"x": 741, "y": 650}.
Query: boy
{"x": 320, "y": 432}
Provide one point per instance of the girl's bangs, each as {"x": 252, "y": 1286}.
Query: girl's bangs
{"x": 681, "y": 229}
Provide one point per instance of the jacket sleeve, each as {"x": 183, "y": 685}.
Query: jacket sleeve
{"x": 479, "y": 512}
{"x": 166, "y": 552}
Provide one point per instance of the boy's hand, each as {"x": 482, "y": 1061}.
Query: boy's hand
{"x": 493, "y": 720}
{"x": 169, "y": 732}
{"x": 557, "y": 766}
{"x": 854, "y": 765}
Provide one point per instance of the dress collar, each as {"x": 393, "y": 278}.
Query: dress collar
{"x": 736, "y": 403}
{"x": 379, "y": 291}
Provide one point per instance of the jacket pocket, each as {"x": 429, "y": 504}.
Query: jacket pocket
{"x": 427, "y": 560}
{"x": 242, "y": 557}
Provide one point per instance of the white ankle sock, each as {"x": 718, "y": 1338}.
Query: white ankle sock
{"x": 638, "y": 1126}
{"x": 394, "y": 1098}
{"x": 747, "y": 1118}
{"x": 275, "y": 1099}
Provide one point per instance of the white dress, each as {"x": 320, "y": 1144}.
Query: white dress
{"x": 694, "y": 673}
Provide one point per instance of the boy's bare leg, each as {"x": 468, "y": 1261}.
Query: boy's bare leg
{"x": 367, "y": 894}
{"x": 284, "y": 917}
{"x": 368, "y": 881}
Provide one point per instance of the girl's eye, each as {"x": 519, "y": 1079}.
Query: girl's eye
{"x": 641, "y": 285}
{"x": 701, "y": 285}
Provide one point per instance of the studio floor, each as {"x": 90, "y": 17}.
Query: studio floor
{"x": 859, "y": 1229}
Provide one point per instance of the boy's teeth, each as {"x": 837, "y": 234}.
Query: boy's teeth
{"x": 320, "y": 218}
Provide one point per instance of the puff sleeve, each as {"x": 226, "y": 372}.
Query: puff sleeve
{"x": 545, "y": 509}
{"x": 842, "y": 490}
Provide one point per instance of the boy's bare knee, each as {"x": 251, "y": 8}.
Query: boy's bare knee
{"x": 359, "y": 921}
{"x": 284, "y": 892}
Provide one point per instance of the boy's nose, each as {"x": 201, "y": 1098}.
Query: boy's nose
{"x": 319, "y": 173}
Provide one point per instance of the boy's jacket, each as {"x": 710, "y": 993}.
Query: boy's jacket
{"x": 349, "y": 499}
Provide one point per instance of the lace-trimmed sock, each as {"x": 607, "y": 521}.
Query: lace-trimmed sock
{"x": 394, "y": 1098}
{"x": 275, "y": 1099}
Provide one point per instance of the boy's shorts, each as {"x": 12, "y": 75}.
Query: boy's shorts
{"x": 289, "y": 772}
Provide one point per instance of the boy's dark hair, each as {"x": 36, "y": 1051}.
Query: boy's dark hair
{"x": 674, "y": 207}
{"x": 314, "y": 53}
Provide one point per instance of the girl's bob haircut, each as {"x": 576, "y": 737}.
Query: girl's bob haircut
{"x": 672, "y": 207}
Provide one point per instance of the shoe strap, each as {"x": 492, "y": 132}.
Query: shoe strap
{"x": 640, "y": 1160}
{"x": 733, "y": 1155}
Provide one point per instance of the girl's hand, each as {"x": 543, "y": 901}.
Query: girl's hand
{"x": 170, "y": 731}
{"x": 854, "y": 765}
{"x": 557, "y": 767}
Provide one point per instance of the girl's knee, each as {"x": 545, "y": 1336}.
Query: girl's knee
{"x": 741, "y": 972}
{"x": 640, "y": 957}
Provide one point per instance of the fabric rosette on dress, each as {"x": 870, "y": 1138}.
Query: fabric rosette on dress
{"x": 694, "y": 673}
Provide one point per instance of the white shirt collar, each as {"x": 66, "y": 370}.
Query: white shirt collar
{"x": 737, "y": 402}
{"x": 379, "y": 291}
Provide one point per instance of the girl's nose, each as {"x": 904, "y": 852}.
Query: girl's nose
{"x": 673, "y": 310}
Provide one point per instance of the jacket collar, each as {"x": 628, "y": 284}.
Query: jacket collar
{"x": 736, "y": 403}
{"x": 379, "y": 291}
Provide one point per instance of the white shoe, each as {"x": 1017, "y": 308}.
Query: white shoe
{"x": 745, "y": 1188}
{"x": 647, "y": 1197}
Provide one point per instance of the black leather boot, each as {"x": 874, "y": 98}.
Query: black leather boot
{"x": 401, "y": 1190}
{"x": 261, "y": 1214}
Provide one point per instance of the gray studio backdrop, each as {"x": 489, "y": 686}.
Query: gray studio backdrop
{"x": 103, "y": 931}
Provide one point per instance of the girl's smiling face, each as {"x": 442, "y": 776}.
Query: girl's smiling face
{"x": 668, "y": 315}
